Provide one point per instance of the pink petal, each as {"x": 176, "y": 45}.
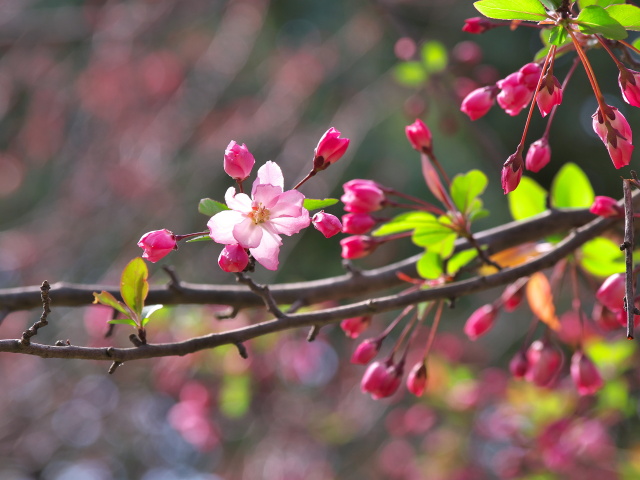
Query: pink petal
{"x": 290, "y": 225}
{"x": 266, "y": 254}
{"x": 221, "y": 226}
{"x": 270, "y": 174}
{"x": 289, "y": 204}
{"x": 240, "y": 201}
{"x": 247, "y": 233}
{"x": 266, "y": 194}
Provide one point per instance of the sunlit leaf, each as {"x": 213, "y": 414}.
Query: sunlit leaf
{"x": 105, "y": 298}
{"x": 466, "y": 187}
{"x": 627, "y": 15}
{"x": 558, "y": 35}
{"x": 551, "y": 5}
{"x": 595, "y": 20}
{"x": 512, "y": 9}
{"x": 134, "y": 286}
{"x": 123, "y": 321}
{"x": 148, "y": 311}
{"x": 316, "y": 204}
{"x": 429, "y": 266}
{"x": 636, "y": 43}
{"x": 201, "y": 238}
{"x": 601, "y": 3}
{"x": 601, "y": 257}
{"x": 541, "y": 300}
{"x": 611, "y": 353}
{"x": 405, "y": 222}
{"x": 434, "y": 233}
{"x": 210, "y": 207}
{"x": 527, "y": 200}
{"x": 410, "y": 74}
{"x": 459, "y": 260}
{"x": 571, "y": 188}
{"x": 434, "y": 56}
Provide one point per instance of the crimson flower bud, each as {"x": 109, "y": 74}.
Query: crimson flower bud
{"x": 353, "y": 327}
{"x": 366, "y": 351}
{"x": 362, "y": 196}
{"x": 233, "y": 258}
{"x": 612, "y": 291}
{"x": 478, "y": 103}
{"x": 514, "y": 93}
{"x": 519, "y": 365}
{"x": 512, "y": 172}
{"x": 357, "y": 223}
{"x": 417, "y": 379}
{"x": 477, "y": 25}
{"x": 629, "y": 81}
{"x": 530, "y": 75}
{"x": 357, "y": 246}
{"x": 585, "y": 374}
{"x": 606, "y": 207}
{"x": 382, "y": 379}
{"x": 157, "y": 244}
{"x": 606, "y": 319}
{"x": 480, "y": 321}
{"x": 419, "y": 136}
{"x": 330, "y": 149}
{"x": 615, "y": 132}
{"x": 327, "y": 224}
{"x": 512, "y": 296}
{"x": 545, "y": 362}
{"x": 549, "y": 95}
{"x": 238, "y": 161}
{"x": 538, "y": 155}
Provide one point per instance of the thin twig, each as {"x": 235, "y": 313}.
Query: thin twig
{"x": 46, "y": 302}
{"x": 627, "y": 246}
{"x": 263, "y": 292}
{"x": 114, "y": 366}
{"x": 313, "y": 333}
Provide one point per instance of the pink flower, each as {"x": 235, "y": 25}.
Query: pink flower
{"x": 538, "y": 155}
{"x": 480, "y": 321}
{"x": 612, "y": 291}
{"x": 630, "y": 86}
{"x": 477, "y": 25}
{"x": 327, "y": 224}
{"x": 512, "y": 172}
{"x": 382, "y": 379}
{"x": 585, "y": 374}
{"x": 366, "y": 351}
{"x": 256, "y": 223}
{"x": 233, "y": 258}
{"x": 615, "y": 132}
{"x": 417, "y": 379}
{"x": 157, "y": 244}
{"x": 606, "y": 207}
{"x": 549, "y": 95}
{"x": 353, "y": 327}
{"x": 238, "y": 161}
{"x": 357, "y": 223}
{"x": 330, "y": 149}
{"x": 362, "y": 196}
{"x": 357, "y": 246}
{"x": 519, "y": 365}
{"x": 545, "y": 362}
{"x": 514, "y": 94}
{"x": 478, "y": 103}
{"x": 419, "y": 136}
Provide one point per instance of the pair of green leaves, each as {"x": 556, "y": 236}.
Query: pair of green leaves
{"x": 134, "y": 289}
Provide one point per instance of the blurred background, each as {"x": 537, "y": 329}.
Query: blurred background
{"x": 114, "y": 117}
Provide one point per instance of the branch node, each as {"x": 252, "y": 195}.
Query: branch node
{"x": 59, "y": 343}
{"x": 114, "y": 366}
{"x": 46, "y": 302}
{"x": 109, "y": 351}
{"x": 242, "y": 350}
{"x": 263, "y": 292}
{"x": 135, "y": 340}
{"x": 313, "y": 333}
{"x": 229, "y": 314}
{"x": 351, "y": 269}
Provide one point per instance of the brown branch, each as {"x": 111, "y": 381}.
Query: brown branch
{"x": 46, "y": 302}
{"x": 628, "y": 246}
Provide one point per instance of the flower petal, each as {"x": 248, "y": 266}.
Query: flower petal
{"x": 267, "y": 195}
{"x": 270, "y": 174}
{"x": 289, "y": 204}
{"x": 221, "y": 226}
{"x": 266, "y": 254}
{"x": 290, "y": 225}
{"x": 240, "y": 201}
{"x": 247, "y": 233}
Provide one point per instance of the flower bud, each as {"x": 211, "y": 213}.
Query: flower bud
{"x": 514, "y": 93}
{"x": 512, "y": 296}
{"x": 382, "y": 379}
{"x": 606, "y": 207}
{"x": 629, "y": 81}
{"x": 419, "y": 136}
{"x": 417, "y": 379}
{"x": 366, "y": 351}
{"x": 353, "y": 327}
{"x": 327, "y": 224}
{"x": 549, "y": 95}
{"x": 519, "y": 365}
{"x": 612, "y": 291}
{"x": 480, "y": 321}
{"x": 585, "y": 374}
{"x": 362, "y": 196}
{"x": 157, "y": 244}
{"x": 606, "y": 319}
{"x": 478, "y": 103}
{"x": 477, "y": 25}
{"x": 357, "y": 223}
{"x": 538, "y": 155}
{"x": 530, "y": 75}
{"x": 357, "y": 246}
{"x": 330, "y": 149}
{"x": 238, "y": 161}
{"x": 615, "y": 132}
{"x": 512, "y": 172}
{"x": 233, "y": 258}
{"x": 545, "y": 362}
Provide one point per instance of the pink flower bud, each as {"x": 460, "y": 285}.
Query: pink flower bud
{"x": 545, "y": 362}
{"x": 477, "y": 25}
{"x": 357, "y": 246}
{"x": 353, "y": 327}
{"x": 512, "y": 172}
{"x": 629, "y": 81}
{"x": 530, "y": 75}
{"x": 157, "y": 244}
{"x": 606, "y": 319}
{"x": 382, "y": 379}
{"x": 330, "y": 149}
{"x": 612, "y": 291}
{"x": 357, "y": 223}
{"x": 606, "y": 207}
{"x": 480, "y": 321}
{"x": 233, "y": 258}
{"x": 478, "y": 103}
{"x": 238, "y": 161}
{"x": 512, "y": 296}
{"x": 585, "y": 374}
{"x": 621, "y": 318}
{"x": 327, "y": 224}
{"x": 417, "y": 379}
{"x": 419, "y": 136}
{"x": 366, "y": 351}
{"x": 615, "y": 132}
{"x": 362, "y": 196}
{"x": 519, "y": 365}
{"x": 514, "y": 93}
{"x": 538, "y": 155}
{"x": 549, "y": 95}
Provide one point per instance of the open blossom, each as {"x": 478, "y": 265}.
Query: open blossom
{"x": 419, "y": 136}
{"x": 615, "y": 132}
{"x": 585, "y": 374}
{"x": 330, "y": 149}
{"x": 238, "y": 161}
{"x": 629, "y": 81}
{"x": 538, "y": 155}
{"x": 157, "y": 244}
{"x": 478, "y": 103}
{"x": 257, "y": 222}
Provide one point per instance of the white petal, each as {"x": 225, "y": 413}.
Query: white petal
{"x": 289, "y": 204}
{"x": 221, "y": 226}
{"x": 290, "y": 225}
{"x": 247, "y": 233}
{"x": 270, "y": 174}
{"x": 267, "y": 195}
{"x": 240, "y": 201}
{"x": 266, "y": 254}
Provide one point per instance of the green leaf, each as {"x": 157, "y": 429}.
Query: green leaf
{"x": 571, "y": 188}
{"x": 558, "y": 36}
{"x": 148, "y": 311}
{"x": 105, "y": 298}
{"x": 431, "y": 235}
{"x": 601, "y": 257}
{"x": 434, "y": 56}
{"x": 466, "y": 187}
{"x": 210, "y": 207}
{"x": 595, "y": 20}
{"x": 134, "y": 286}
{"x": 615, "y": 395}
{"x": 627, "y": 15}
{"x": 460, "y": 259}
{"x": 410, "y": 74}
{"x": 612, "y": 353}
{"x": 527, "y": 200}
{"x": 201, "y": 238}
{"x": 405, "y": 222}
{"x": 636, "y": 43}
{"x": 551, "y": 5}
{"x": 429, "y": 266}
{"x": 123, "y": 321}
{"x": 531, "y": 10}
{"x": 600, "y": 3}
{"x": 313, "y": 204}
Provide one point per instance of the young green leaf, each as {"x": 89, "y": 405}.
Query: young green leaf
{"x": 147, "y": 312}
{"x": 430, "y": 235}
{"x": 405, "y": 222}
{"x": 601, "y": 257}
{"x": 105, "y": 298}
{"x": 595, "y": 20}
{"x": 460, "y": 259}
{"x": 531, "y": 10}
{"x": 551, "y": 5}
{"x": 558, "y": 36}
{"x": 410, "y": 74}
{"x": 600, "y": 3}
{"x": 627, "y": 15}
{"x": 429, "y": 266}
{"x": 210, "y": 207}
{"x": 465, "y": 188}
{"x": 527, "y": 200}
{"x": 123, "y": 321}
{"x": 571, "y": 188}
{"x": 313, "y": 204}
{"x": 201, "y": 238}
{"x": 434, "y": 56}
{"x": 134, "y": 286}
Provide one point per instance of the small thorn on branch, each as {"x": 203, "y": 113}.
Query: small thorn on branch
{"x": 114, "y": 366}
{"x": 297, "y": 305}
{"x": 313, "y": 333}
{"x": 242, "y": 350}
{"x": 263, "y": 292}
{"x": 46, "y": 302}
